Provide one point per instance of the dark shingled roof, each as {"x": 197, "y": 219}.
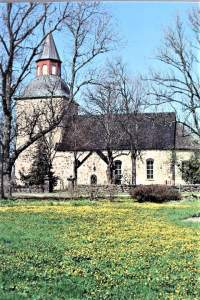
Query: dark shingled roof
{"x": 49, "y": 50}
{"x": 154, "y": 131}
{"x": 45, "y": 86}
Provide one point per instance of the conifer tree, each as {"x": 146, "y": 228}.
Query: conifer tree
{"x": 41, "y": 168}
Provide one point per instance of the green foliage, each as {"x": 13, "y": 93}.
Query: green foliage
{"x": 155, "y": 193}
{"x": 111, "y": 251}
{"x": 41, "y": 168}
{"x": 191, "y": 169}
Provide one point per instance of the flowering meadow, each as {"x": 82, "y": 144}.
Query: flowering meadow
{"x": 99, "y": 250}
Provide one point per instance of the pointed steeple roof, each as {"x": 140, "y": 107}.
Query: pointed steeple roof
{"x": 49, "y": 50}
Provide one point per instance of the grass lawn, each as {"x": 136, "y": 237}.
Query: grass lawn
{"x": 99, "y": 250}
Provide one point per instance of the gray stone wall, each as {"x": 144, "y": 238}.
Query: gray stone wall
{"x": 104, "y": 188}
{"x": 188, "y": 188}
{"x": 127, "y": 188}
{"x": 32, "y": 189}
{"x": 98, "y": 191}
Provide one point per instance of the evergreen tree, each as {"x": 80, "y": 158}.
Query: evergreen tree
{"x": 41, "y": 168}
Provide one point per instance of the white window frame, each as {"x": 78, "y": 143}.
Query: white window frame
{"x": 44, "y": 70}
{"x": 53, "y": 69}
{"x": 118, "y": 171}
{"x": 150, "y": 169}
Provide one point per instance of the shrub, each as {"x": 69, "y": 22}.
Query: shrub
{"x": 191, "y": 169}
{"x": 155, "y": 193}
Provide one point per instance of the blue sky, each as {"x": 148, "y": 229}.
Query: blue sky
{"x": 141, "y": 25}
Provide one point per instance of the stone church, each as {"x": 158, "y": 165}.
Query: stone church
{"x": 160, "y": 138}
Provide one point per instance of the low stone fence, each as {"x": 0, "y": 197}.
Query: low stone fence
{"x": 31, "y": 189}
{"x": 188, "y": 188}
{"x": 117, "y": 189}
{"x": 104, "y": 188}
{"x": 97, "y": 191}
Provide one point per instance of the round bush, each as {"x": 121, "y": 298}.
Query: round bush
{"x": 155, "y": 193}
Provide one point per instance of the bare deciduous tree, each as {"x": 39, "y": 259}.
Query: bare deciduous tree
{"x": 179, "y": 84}
{"x": 103, "y": 104}
{"x": 90, "y": 35}
{"x": 77, "y": 128}
{"x": 132, "y": 99}
{"x": 116, "y": 101}
{"x": 23, "y": 28}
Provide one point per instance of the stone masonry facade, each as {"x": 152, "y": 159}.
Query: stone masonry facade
{"x": 158, "y": 146}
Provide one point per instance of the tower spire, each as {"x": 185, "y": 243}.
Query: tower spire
{"x": 49, "y": 62}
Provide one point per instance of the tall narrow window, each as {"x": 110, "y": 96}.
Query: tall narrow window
{"x": 44, "y": 70}
{"x": 150, "y": 171}
{"x": 38, "y": 71}
{"x": 53, "y": 69}
{"x": 118, "y": 171}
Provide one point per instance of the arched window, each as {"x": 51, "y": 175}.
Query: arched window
{"x": 44, "y": 70}
{"x": 118, "y": 171}
{"x": 149, "y": 166}
{"x": 93, "y": 179}
{"x": 53, "y": 69}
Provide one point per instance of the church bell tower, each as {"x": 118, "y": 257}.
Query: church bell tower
{"x": 43, "y": 101}
{"x": 49, "y": 62}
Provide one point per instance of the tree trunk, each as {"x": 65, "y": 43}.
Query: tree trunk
{"x": 173, "y": 166}
{"x": 6, "y": 141}
{"x": 75, "y": 175}
{"x": 2, "y": 185}
{"x": 133, "y": 162}
{"x": 109, "y": 174}
{"x": 50, "y": 182}
{"x": 110, "y": 167}
{"x": 6, "y": 180}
